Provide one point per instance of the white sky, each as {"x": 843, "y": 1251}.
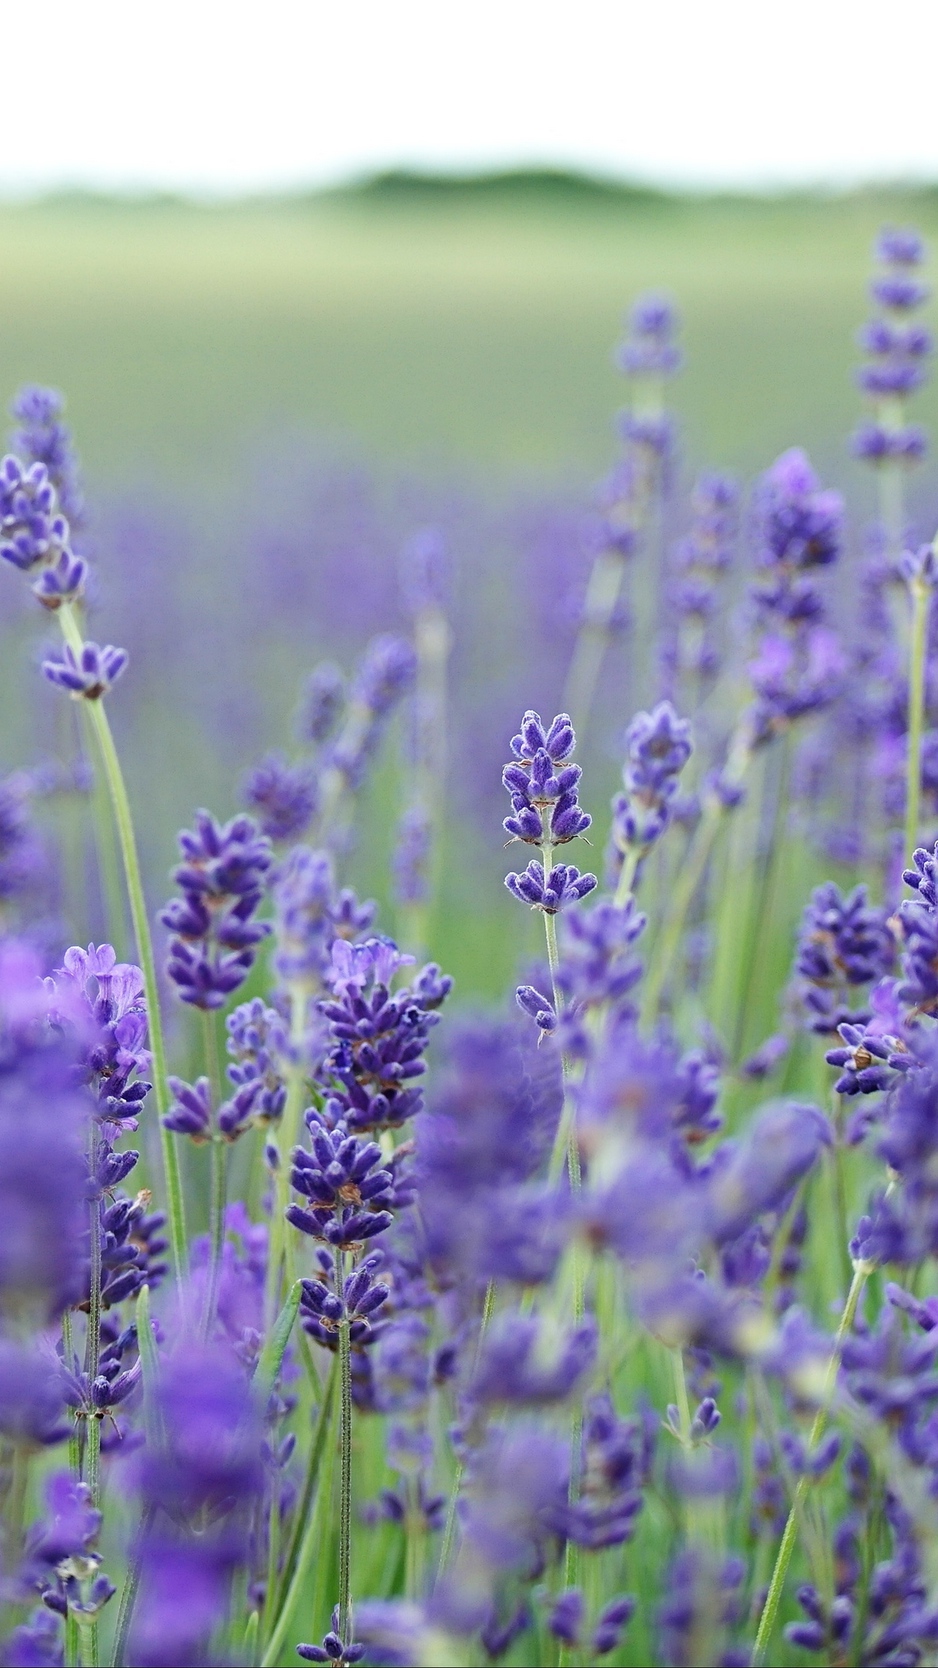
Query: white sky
{"x": 217, "y": 95}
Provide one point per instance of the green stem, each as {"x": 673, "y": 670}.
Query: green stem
{"x": 688, "y": 880}
{"x": 488, "y": 1309}
{"x": 219, "y": 1175}
{"x": 602, "y": 594}
{"x": 105, "y": 846}
{"x": 626, "y": 886}
{"x": 919, "y": 597}
{"x": 345, "y": 1461}
{"x": 862, "y": 1272}
{"x": 309, "y": 1531}
{"x": 218, "y": 1196}
{"x": 120, "y": 805}
{"x": 93, "y": 1333}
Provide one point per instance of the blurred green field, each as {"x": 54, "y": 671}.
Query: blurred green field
{"x": 435, "y": 328}
{"x": 449, "y": 330}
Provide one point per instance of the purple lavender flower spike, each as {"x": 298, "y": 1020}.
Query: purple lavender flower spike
{"x": 566, "y": 1617}
{"x": 896, "y": 349}
{"x": 199, "y": 1487}
{"x": 321, "y": 703}
{"x": 283, "y": 796}
{"x": 377, "y": 1037}
{"x": 32, "y": 531}
{"x": 191, "y": 1112}
{"x": 347, "y": 1188}
{"x": 650, "y": 349}
{"x": 43, "y": 438}
{"x": 89, "y": 675}
{"x": 843, "y": 943}
{"x": 514, "y": 1368}
{"x": 659, "y": 745}
{"x": 384, "y": 676}
{"x": 258, "y": 1045}
{"x": 214, "y": 934}
{"x": 562, "y": 887}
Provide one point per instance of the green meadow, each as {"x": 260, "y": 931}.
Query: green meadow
{"x": 434, "y": 327}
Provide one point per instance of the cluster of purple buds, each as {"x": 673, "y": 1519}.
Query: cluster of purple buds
{"x": 350, "y": 1192}
{"x": 896, "y": 346}
{"x": 844, "y": 943}
{"x": 34, "y": 535}
{"x": 702, "y": 557}
{"x": 568, "y": 1615}
{"x": 43, "y": 438}
{"x": 332, "y": 1650}
{"x": 257, "y": 1043}
{"x": 543, "y": 783}
{"x": 192, "y": 1110}
{"x": 223, "y": 876}
{"x": 384, "y": 676}
{"x": 658, "y": 746}
{"x": 283, "y": 797}
{"x": 323, "y": 1311}
{"x": 321, "y": 703}
{"x": 799, "y": 665}
{"x": 310, "y": 913}
{"x": 88, "y": 675}
{"x": 597, "y": 971}
{"x": 378, "y": 1036}
{"x": 650, "y": 349}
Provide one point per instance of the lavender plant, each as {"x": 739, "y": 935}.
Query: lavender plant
{"x": 600, "y": 1328}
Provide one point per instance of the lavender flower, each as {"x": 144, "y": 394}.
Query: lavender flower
{"x": 658, "y": 745}
{"x": 89, "y": 675}
{"x": 896, "y": 348}
{"x": 650, "y": 349}
{"x": 321, "y": 704}
{"x": 198, "y": 1486}
{"x": 284, "y": 797}
{"x": 843, "y": 943}
{"x": 562, "y": 886}
{"x": 43, "y": 438}
{"x": 377, "y": 1037}
{"x": 215, "y": 936}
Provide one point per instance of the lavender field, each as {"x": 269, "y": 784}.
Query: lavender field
{"x": 469, "y": 888}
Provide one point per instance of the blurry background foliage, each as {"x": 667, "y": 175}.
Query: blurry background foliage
{"x": 268, "y": 396}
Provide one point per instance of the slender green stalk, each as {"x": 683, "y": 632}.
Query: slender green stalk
{"x": 301, "y": 1516}
{"x": 120, "y": 805}
{"x": 919, "y": 597}
{"x": 345, "y": 1461}
{"x": 290, "y": 1128}
{"x": 488, "y": 1309}
{"x": 218, "y": 1182}
{"x": 862, "y": 1272}
{"x": 689, "y": 877}
{"x": 602, "y": 594}
{"x": 106, "y": 853}
{"x": 626, "y": 886}
{"x": 93, "y": 1333}
{"x": 309, "y": 1526}
{"x": 150, "y": 1366}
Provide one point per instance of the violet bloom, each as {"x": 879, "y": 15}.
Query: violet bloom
{"x": 43, "y": 438}
{"x": 377, "y": 1038}
{"x": 321, "y": 703}
{"x": 658, "y": 745}
{"x": 310, "y": 914}
{"x": 701, "y": 1608}
{"x": 701, "y": 560}
{"x": 412, "y": 856}
{"x": 543, "y": 781}
{"x": 283, "y": 797}
{"x": 650, "y": 349}
{"x": 385, "y": 674}
{"x": 88, "y": 676}
{"x": 215, "y": 936}
{"x": 43, "y": 1124}
{"x": 896, "y": 346}
{"x": 199, "y": 1485}
{"x": 844, "y": 943}
{"x": 520, "y": 1363}
{"x": 799, "y": 665}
